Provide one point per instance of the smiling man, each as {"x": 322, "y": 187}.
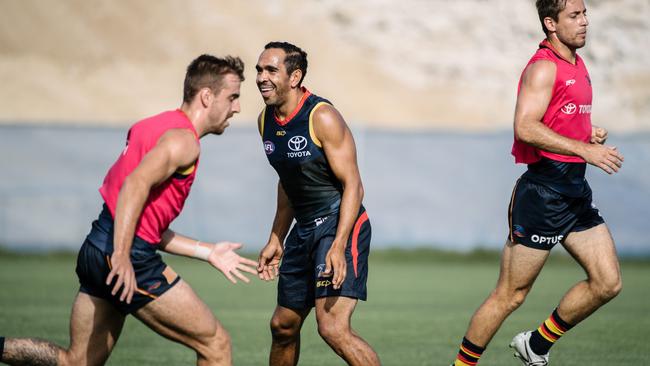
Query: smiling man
{"x": 325, "y": 258}
{"x": 551, "y": 203}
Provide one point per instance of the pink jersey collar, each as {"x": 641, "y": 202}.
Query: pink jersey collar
{"x": 546, "y": 44}
{"x": 189, "y": 122}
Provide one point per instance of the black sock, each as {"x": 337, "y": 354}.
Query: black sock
{"x": 468, "y": 353}
{"x": 2, "y": 347}
{"x": 542, "y": 339}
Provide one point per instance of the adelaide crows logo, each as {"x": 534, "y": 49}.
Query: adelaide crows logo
{"x": 518, "y": 231}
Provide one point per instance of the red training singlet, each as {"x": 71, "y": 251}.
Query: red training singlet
{"x": 166, "y": 200}
{"x": 569, "y": 111}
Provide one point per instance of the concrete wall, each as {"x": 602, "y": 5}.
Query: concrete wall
{"x": 438, "y": 189}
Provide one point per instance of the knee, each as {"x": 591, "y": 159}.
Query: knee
{"x": 284, "y": 331}
{"x": 332, "y": 332}
{"x": 216, "y": 348}
{"x": 74, "y": 358}
{"x": 71, "y": 358}
{"x": 511, "y": 299}
{"x": 515, "y": 300}
{"x": 78, "y": 355}
{"x": 608, "y": 288}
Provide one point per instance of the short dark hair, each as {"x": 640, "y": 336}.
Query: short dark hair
{"x": 296, "y": 58}
{"x": 207, "y": 71}
{"x": 549, "y": 8}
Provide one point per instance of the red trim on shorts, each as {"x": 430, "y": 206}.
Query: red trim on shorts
{"x": 145, "y": 293}
{"x": 283, "y": 122}
{"x": 355, "y": 238}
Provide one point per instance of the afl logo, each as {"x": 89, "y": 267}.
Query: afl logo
{"x": 268, "y": 147}
{"x": 297, "y": 143}
{"x": 569, "y": 108}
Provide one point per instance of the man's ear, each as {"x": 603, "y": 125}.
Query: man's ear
{"x": 206, "y": 96}
{"x": 295, "y": 77}
{"x": 550, "y": 24}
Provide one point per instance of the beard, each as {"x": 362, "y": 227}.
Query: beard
{"x": 573, "y": 41}
{"x": 277, "y": 96}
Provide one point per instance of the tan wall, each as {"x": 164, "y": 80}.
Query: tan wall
{"x": 409, "y": 63}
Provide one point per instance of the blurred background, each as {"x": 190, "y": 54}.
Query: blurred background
{"x": 427, "y": 86}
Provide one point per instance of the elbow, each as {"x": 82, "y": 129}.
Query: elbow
{"x": 166, "y": 238}
{"x": 353, "y": 189}
{"x": 522, "y": 133}
{"x": 358, "y": 190}
{"x": 134, "y": 185}
{"x": 128, "y": 184}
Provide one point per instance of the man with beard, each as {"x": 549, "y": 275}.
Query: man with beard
{"x": 551, "y": 203}
{"x": 119, "y": 269}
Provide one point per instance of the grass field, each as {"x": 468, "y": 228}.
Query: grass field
{"x": 419, "y": 305}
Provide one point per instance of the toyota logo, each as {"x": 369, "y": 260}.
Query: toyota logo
{"x": 297, "y": 143}
{"x": 569, "y": 108}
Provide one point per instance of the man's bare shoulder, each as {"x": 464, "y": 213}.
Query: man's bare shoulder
{"x": 181, "y": 142}
{"x": 539, "y": 74}
{"x": 326, "y": 116}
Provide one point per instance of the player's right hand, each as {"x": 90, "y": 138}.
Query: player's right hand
{"x": 268, "y": 263}
{"x": 124, "y": 276}
{"x": 604, "y": 157}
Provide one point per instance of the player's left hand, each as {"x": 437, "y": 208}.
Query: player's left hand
{"x": 231, "y": 264}
{"x": 598, "y": 135}
{"x": 335, "y": 265}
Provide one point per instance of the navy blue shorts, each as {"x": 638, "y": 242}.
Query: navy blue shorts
{"x": 540, "y": 217}
{"x": 152, "y": 275}
{"x": 305, "y": 249}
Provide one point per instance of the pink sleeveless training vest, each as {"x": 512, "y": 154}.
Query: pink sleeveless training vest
{"x": 166, "y": 200}
{"x": 569, "y": 110}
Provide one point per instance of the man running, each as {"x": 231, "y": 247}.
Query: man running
{"x": 551, "y": 203}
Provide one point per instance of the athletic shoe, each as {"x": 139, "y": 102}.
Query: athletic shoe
{"x": 521, "y": 344}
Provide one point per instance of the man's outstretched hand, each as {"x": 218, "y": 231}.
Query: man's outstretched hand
{"x": 224, "y": 258}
